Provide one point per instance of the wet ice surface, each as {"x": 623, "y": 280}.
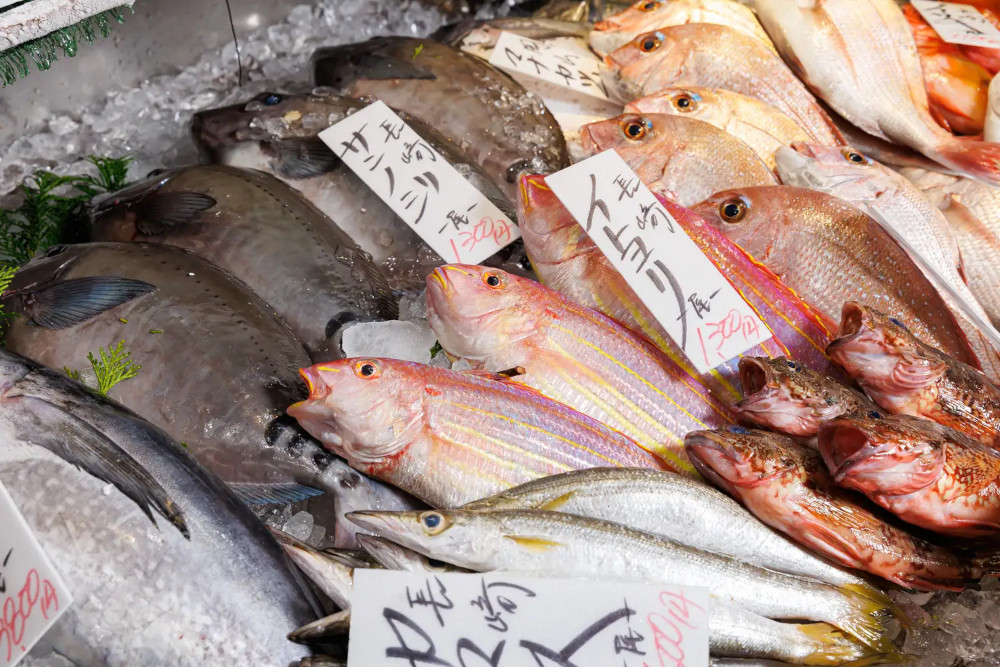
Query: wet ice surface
{"x": 407, "y": 341}
{"x": 956, "y": 629}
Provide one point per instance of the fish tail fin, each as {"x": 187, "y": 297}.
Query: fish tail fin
{"x": 977, "y": 159}
{"x": 868, "y": 617}
{"x": 833, "y": 647}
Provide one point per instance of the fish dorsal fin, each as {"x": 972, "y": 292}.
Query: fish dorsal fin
{"x": 303, "y": 157}
{"x": 161, "y": 211}
{"x": 70, "y": 302}
{"x": 82, "y": 445}
{"x": 532, "y": 543}
{"x": 273, "y": 494}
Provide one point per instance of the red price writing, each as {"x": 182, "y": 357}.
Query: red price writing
{"x": 733, "y": 325}
{"x": 37, "y": 594}
{"x": 668, "y": 628}
{"x": 487, "y": 228}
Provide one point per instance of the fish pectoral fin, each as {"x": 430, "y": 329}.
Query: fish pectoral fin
{"x": 88, "y": 449}
{"x": 533, "y": 543}
{"x": 303, "y": 158}
{"x": 557, "y": 502}
{"x": 160, "y": 211}
{"x": 70, "y": 302}
{"x": 273, "y": 494}
{"x": 335, "y": 625}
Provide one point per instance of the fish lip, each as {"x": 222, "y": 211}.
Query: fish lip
{"x": 840, "y": 467}
{"x": 438, "y": 280}
{"x": 756, "y": 378}
{"x": 368, "y": 520}
{"x": 852, "y": 326}
{"x": 705, "y": 440}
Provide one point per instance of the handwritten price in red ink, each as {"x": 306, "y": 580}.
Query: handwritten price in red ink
{"x": 668, "y": 629}
{"x": 37, "y": 595}
{"x": 495, "y": 231}
{"x": 733, "y": 325}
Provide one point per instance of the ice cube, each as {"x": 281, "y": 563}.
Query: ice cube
{"x": 393, "y": 339}
{"x": 300, "y": 526}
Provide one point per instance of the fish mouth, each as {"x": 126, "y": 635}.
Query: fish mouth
{"x": 844, "y": 445}
{"x": 438, "y": 282}
{"x": 717, "y": 461}
{"x": 852, "y": 326}
{"x": 587, "y": 140}
{"x": 755, "y": 376}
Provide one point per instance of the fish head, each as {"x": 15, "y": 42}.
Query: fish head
{"x": 742, "y": 214}
{"x": 476, "y": 311}
{"x": 635, "y": 137}
{"x": 841, "y": 171}
{"x": 618, "y": 29}
{"x": 882, "y": 455}
{"x": 784, "y": 395}
{"x": 880, "y": 353}
{"x": 365, "y": 410}
{"x": 635, "y": 61}
{"x": 739, "y": 457}
{"x": 463, "y": 538}
{"x": 393, "y": 556}
{"x": 550, "y": 232}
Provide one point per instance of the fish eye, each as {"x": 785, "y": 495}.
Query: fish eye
{"x": 271, "y": 99}
{"x": 494, "y": 279}
{"x": 433, "y": 522}
{"x": 651, "y": 42}
{"x": 636, "y": 128}
{"x": 794, "y": 366}
{"x": 739, "y": 430}
{"x": 854, "y": 156}
{"x": 733, "y": 210}
{"x": 649, "y": 6}
{"x": 897, "y": 322}
{"x": 436, "y": 564}
{"x": 874, "y": 415}
{"x": 56, "y": 250}
{"x": 684, "y": 102}
{"x": 367, "y": 369}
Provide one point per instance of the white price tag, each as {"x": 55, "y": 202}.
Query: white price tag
{"x": 32, "y": 594}
{"x": 957, "y": 23}
{"x": 571, "y": 69}
{"x": 509, "y": 620}
{"x": 423, "y": 189}
{"x": 700, "y": 310}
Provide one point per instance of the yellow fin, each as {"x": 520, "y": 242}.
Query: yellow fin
{"x": 557, "y": 502}
{"x": 835, "y": 647}
{"x": 533, "y": 543}
{"x": 867, "y": 620}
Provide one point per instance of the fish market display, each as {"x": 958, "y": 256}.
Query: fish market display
{"x": 489, "y": 116}
{"x": 277, "y": 133}
{"x": 567, "y": 260}
{"x": 260, "y": 230}
{"x": 700, "y": 54}
{"x": 555, "y": 544}
{"x": 927, "y": 474}
{"x": 572, "y": 354}
{"x": 219, "y": 367}
{"x": 683, "y": 510}
{"x": 87, "y": 475}
{"x": 617, "y": 30}
{"x": 450, "y": 437}
{"x": 761, "y": 126}
{"x": 787, "y": 486}
{"x": 483, "y": 34}
{"x": 785, "y": 396}
{"x": 681, "y": 159}
{"x": 829, "y": 252}
{"x": 871, "y": 75}
{"x": 906, "y": 376}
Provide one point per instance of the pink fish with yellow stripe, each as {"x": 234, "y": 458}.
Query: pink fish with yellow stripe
{"x": 573, "y": 354}
{"x": 565, "y": 259}
{"x": 451, "y": 437}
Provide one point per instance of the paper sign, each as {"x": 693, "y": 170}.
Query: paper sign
{"x": 563, "y": 67}
{"x": 510, "y": 620}
{"x": 32, "y": 595}
{"x": 703, "y": 314}
{"x": 423, "y": 189}
{"x": 959, "y": 24}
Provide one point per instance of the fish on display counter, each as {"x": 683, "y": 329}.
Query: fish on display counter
{"x": 203, "y": 583}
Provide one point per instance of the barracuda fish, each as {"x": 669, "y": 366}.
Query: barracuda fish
{"x": 88, "y": 475}
{"x": 909, "y": 217}
{"x": 556, "y": 544}
{"x": 683, "y": 510}
{"x": 572, "y": 354}
{"x": 450, "y": 437}
{"x": 783, "y": 395}
{"x": 566, "y": 260}
{"x": 860, "y": 57}
{"x": 761, "y": 126}
{"x": 906, "y": 376}
{"x": 927, "y": 474}
{"x": 702, "y": 55}
{"x": 682, "y": 159}
{"x": 787, "y": 486}
{"x": 619, "y": 29}
{"x": 830, "y": 252}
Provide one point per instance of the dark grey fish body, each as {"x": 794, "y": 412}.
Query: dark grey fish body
{"x": 144, "y": 594}
{"x": 489, "y": 116}
{"x": 218, "y": 366}
{"x": 263, "y": 232}
{"x": 277, "y": 133}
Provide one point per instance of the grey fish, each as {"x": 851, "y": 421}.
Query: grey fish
{"x": 218, "y": 366}
{"x": 263, "y": 232}
{"x": 278, "y": 133}
{"x": 224, "y": 590}
{"x": 678, "y": 508}
{"x": 556, "y": 544}
{"x": 483, "y": 111}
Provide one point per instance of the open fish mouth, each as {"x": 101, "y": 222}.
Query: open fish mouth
{"x": 852, "y": 326}
{"x": 760, "y": 391}
{"x": 844, "y": 447}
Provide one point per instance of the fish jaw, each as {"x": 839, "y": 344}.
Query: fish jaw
{"x": 608, "y": 36}
{"x": 861, "y": 458}
{"x": 770, "y": 403}
{"x": 450, "y": 540}
{"x": 721, "y": 462}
